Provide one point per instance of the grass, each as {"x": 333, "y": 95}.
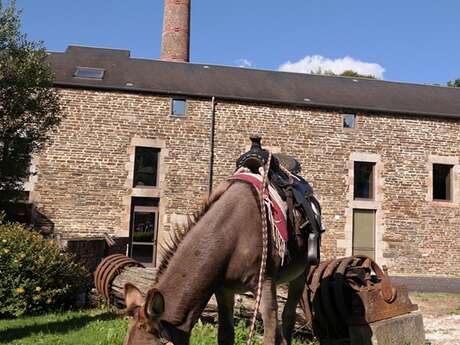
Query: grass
{"x": 448, "y": 302}
{"x": 429, "y": 296}
{"x": 206, "y": 334}
{"x": 94, "y": 327}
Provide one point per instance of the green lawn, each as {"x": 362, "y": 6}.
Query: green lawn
{"x": 94, "y": 327}
{"x": 90, "y": 327}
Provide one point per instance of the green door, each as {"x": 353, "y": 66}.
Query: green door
{"x": 364, "y": 232}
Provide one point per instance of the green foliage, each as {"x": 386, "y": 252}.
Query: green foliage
{"x": 456, "y": 311}
{"x": 35, "y": 275}
{"x": 347, "y": 73}
{"x": 29, "y": 106}
{"x": 143, "y": 236}
{"x": 350, "y": 73}
{"x": 454, "y": 83}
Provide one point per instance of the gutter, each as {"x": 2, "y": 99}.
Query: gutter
{"x": 211, "y": 144}
{"x": 303, "y": 104}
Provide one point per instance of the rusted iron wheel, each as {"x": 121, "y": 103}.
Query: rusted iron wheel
{"x": 330, "y": 287}
{"x": 101, "y": 268}
{"x": 319, "y": 321}
{"x": 339, "y": 276}
{"x": 107, "y": 270}
{"x": 327, "y": 300}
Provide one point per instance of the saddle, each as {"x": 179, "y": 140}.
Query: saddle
{"x": 303, "y": 209}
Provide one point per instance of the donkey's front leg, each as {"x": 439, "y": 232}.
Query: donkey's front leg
{"x": 269, "y": 311}
{"x": 225, "y": 302}
{"x": 295, "y": 291}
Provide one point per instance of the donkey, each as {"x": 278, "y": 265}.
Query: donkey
{"x": 218, "y": 253}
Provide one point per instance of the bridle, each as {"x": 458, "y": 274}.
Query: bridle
{"x": 164, "y": 337}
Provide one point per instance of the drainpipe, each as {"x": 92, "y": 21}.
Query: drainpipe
{"x": 211, "y": 144}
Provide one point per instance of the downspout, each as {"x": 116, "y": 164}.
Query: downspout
{"x": 211, "y": 145}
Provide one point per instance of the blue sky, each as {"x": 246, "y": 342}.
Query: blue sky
{"x": 405, "y": 40}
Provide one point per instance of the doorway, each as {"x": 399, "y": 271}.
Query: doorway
{"x": 144, "y": 228}
{"x": 364, "y": 232}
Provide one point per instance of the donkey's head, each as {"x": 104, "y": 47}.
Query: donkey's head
{"x": 145, "y": 313}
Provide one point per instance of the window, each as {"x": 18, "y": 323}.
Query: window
{"x": 364, "y": 180}
{"x": 349, "y": 120}
{"x": 442, "y": 182}
{"x": 87, "y": 72}
{"x": 144, "y": 227}
{"x": 146, "y": 167}
{"x": 178, "y": 106}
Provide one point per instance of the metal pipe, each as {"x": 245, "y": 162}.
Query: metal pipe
{"x": 211, "y": 145}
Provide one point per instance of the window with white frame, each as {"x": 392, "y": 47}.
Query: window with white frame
{"x": 349, "y": 120}
{"x": 178, "y": 107}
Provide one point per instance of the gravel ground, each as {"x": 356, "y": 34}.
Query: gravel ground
{"x": 441, "y": 316}
{"x": 443, "y": 330}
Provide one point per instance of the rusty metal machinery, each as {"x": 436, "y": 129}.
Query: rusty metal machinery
{"x": 107, "y": 271}
{"x": 339, "y": 293}
{"x": 351, "y": 291}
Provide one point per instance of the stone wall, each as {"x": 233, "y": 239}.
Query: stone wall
{"x": 84, "y": 175}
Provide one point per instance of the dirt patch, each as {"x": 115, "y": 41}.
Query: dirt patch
{"x": 441, "y": 316}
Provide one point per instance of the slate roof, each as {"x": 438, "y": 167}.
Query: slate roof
{"x": 141, "y": 75}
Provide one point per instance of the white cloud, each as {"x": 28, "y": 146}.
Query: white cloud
{"x": 243, "y": 63}
{"x": 315, "y": 63}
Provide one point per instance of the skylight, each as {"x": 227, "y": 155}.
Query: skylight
{"x": 87, "y": 72}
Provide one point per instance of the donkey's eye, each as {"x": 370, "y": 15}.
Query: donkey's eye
{"x": 132, "y": 312}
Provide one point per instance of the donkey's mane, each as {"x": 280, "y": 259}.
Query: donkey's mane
{"x": 177, "y": 235}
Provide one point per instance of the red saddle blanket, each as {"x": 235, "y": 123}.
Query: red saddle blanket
{"x": 276, "y": 208}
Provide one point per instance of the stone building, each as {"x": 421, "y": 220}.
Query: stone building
{"x": 142, "y": 141}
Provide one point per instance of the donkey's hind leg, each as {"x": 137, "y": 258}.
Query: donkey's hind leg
{"x": 295, "y": 291}
{"x": 225, "y": 302}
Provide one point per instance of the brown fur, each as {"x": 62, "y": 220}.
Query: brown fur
{"x": 218, "y": 253}
{"x": 168, "y": 248}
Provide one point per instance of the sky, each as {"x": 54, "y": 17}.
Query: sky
{"x": 402, "y": 40}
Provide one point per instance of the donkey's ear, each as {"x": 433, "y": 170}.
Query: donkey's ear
{"x": 154, "y": 304}
{"x": 133, "y": 297}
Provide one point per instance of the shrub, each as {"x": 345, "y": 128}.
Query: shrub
{"x": 35, "y": 276}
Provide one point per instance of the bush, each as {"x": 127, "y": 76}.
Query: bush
{"x": 35, "y": 276}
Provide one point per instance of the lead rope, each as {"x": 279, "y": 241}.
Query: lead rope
{"x": 263, "y": 263}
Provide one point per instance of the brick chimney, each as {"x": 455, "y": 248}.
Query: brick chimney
{"x": 175, "y": 44}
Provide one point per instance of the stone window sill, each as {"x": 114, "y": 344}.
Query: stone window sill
{"x": 444, "y": 203}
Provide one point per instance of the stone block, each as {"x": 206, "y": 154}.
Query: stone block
{"x": 400, "y": 330}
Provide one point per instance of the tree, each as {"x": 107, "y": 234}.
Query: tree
{"x": 454, "y": 83}
{"x": 350, "y": 73}
{"x": 29, "y": 106}
{"x": 347, "y": 73}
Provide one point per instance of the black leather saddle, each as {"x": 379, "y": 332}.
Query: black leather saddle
{"x": 297, "y": 192}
